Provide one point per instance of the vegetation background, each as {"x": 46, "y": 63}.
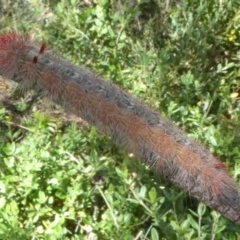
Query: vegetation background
{"x": 60, "y": 178}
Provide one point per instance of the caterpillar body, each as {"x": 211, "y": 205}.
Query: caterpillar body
{"x": 129, "y": 122}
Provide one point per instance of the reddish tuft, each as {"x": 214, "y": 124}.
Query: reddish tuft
{"x": 221, "y": 166}
{"x": 7, "y": 37}
{"x": 43, "y": 48}
{"x": 12, "y": 48}
{"x": 13, "y": 37}
{"x": 35, "y": 59}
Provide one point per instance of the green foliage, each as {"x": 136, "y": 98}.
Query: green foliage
{"x": 60, "y": 180}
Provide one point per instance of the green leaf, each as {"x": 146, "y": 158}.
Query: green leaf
{"x": 3, "y": 229}
{"x": 9, "y": 149}
{"x": 154, "y": 234}
{"x": 42, "y": 197}
{"x": 152, "y": 195}
{"x": 2, "y": 202}
{"x": 193, "y": 223}
{"x": 201, "y": 209}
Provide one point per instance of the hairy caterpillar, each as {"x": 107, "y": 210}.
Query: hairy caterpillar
{"x": 130, "y": 123}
